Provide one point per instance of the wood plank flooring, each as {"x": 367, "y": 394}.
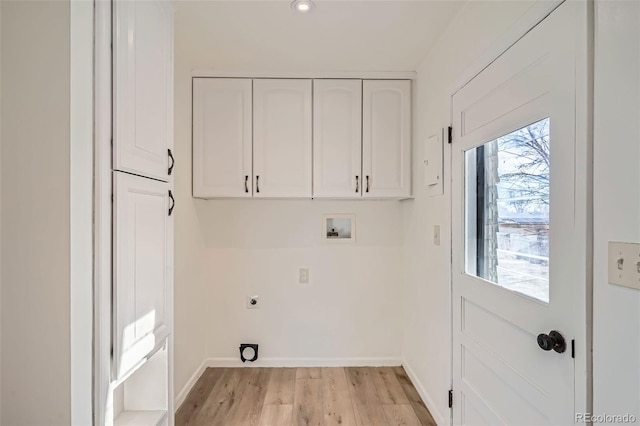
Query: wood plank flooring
{"x": 348, "y": 396}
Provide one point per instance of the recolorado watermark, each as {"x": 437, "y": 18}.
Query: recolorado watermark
{"x": 605, "y": 418}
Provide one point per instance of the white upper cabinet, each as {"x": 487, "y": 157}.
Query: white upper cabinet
{"x": 143, "y": 87}
{"x": 282, "y": 136}
{"x": 222, "y": 138}
{"x": 386, "y": 138}
{"x": 337, "y": 138}
{"x": 143, "y": 271}
{"x": 301, "y": 138}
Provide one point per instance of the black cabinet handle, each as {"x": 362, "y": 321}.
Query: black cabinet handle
{"x": 367, "y": 190}
{"x": 257, "y": 183}
{"x": 246, "y": 183}
{"x": 357, "y": 184}
{"x": 173, "y": 202}
{"x": 173, "y": 162}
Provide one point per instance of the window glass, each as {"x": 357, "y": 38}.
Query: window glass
{"x": 507, "y": 211}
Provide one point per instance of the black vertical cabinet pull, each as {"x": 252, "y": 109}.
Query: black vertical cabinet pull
{"x": 357, "y": 184}
{"x": 173, "y": 202}
{"x": 246, "y": 183}
{"x": 257, "y": 183}
{"x": 367, "y": 190}
{"x": 173, "y": 162}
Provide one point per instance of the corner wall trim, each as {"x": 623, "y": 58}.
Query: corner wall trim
{"x": 307, "y": 362}
{"x": 366, "y": 75}
{"x": 184, "y": 392}
{"x": 431, "y": 406}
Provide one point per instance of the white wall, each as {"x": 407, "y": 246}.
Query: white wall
{"x": 616, "y": 334}
{"x": 470, "y": 40}
{"x": 227, "y": 250}
{"x": 349, "y": 312}
{"x": 191, "y": 296}
{"x": 35, "y": 217}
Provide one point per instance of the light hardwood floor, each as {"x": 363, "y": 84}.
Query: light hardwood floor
{"x": 304, "y": 396}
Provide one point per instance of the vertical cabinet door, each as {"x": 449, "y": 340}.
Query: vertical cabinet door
{"x": 143, "y": 87}
{"x": 386, "y": 138}
{"x": 337, "y": 138}
{"x": 282, "y": 120}
{"x": 143, "y": 271}
{"x": 222, "y": 138}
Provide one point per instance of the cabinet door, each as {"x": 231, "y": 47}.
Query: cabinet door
{"x": 222, "y": 137}
{"x": 282, "y": 138}
{"x": 143, "y": 87}
{"x": 143, "y": 239}
{"x": 386, "y": 138}
{"x": 337, "y": 138}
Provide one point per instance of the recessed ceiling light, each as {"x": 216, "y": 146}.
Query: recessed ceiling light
{"x": 302, "y": 6}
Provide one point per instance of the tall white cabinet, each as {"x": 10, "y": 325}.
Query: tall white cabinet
{"x": 142, "y": 215}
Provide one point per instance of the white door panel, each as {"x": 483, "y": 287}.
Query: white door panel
{"x": 143, "y": 268}
{"x": 282, "y": 147}
{"x": 386, "y": 138}
{"x": 519, "y": 258}
{"x": 337, "y": 138}
{"x": 143, "y": 87}
{"x": 222, "y": 137}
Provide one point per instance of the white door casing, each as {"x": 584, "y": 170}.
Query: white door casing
{"x": 282, "y": 135}
{"x": 386, "y": 138}
{"x": 143, "y": 87}
{"x": 143, "y": 270}
{"x": 500, "y": 375}
{"x": 222, "y": 137}
{"x": 337, "y": 138}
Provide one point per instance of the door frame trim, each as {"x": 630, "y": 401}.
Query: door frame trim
{"x": 102, "y": 214}
{"x": 81, "y": 16}
{"x": 583, "y": 378}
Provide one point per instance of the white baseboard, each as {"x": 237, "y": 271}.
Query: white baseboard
{"x": 306, "y": 362}
{"x": 282, "y": 362}
{"x": 431, "y": 406}
{"x": 184, "y": 392}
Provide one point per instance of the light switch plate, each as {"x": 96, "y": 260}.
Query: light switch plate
{"x": 303, "y": 275}
{"x": 436, "y": 235}
{"x": 624, "y": 264}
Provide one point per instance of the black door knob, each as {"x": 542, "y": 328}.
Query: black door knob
{"x": 553, "y": 340}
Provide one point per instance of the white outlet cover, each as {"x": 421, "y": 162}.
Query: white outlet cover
{"x": 303, "y": 275}
{"x": 624, "y": 264}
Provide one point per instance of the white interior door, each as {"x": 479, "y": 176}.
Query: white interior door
{"x": 282, "y": 135}
{"x": 386, "y": 138}
{"x": 222, "y": 138}
{"x": 143, "y": 87}
{"x": 143, "y": 269}
{"x": 519, "y": 231}
{"x": 337, "y": 138}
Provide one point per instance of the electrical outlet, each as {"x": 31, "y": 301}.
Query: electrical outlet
{"x": 436, "y": 235}
{"x": 253, "y": 302}
{"x": 303, "y": 275}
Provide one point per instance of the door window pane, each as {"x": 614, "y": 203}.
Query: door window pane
{"x": 507, "y": 211}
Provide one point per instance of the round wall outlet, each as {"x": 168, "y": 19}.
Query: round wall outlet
{"x": 253, "y": 302}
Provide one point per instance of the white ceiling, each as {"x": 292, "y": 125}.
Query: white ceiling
{"x": 335, "y": 36}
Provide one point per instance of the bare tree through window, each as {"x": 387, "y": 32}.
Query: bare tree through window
{"x": 512, "y": 210}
